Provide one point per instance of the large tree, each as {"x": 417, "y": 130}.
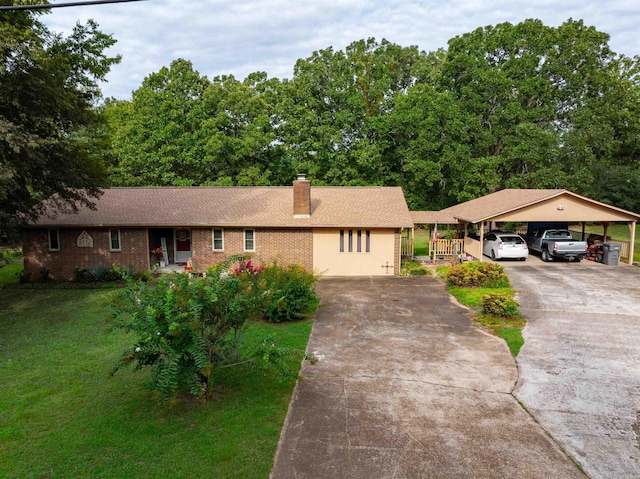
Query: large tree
{"x": 155, "y": 137}
{"x": 544, "y": 106}
{"x": 335, "y": 111}
{"x": 48, "y": 87}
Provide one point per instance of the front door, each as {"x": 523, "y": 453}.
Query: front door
{"x": 183, "y": 245}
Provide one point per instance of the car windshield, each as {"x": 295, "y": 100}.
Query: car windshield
{"x": 511, "y": 239}
{"x": 558, "y": 234}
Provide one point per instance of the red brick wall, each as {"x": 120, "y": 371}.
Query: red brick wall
{"x": 282, "y": 245}
{"x": 61, "y": 264}
{"x": 286, "y": 246}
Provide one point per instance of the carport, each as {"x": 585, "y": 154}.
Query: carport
{"x": 534, "y": 206}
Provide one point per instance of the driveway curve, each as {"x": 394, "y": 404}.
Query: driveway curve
{"x": 579, "y": 367}
{"x": 407, "y": 387}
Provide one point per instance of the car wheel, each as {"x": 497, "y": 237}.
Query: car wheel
{"x": 545, "y": 256}
{"x": 493, "y": 255}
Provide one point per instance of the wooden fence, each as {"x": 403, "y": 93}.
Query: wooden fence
{"x": 406, "y": 247}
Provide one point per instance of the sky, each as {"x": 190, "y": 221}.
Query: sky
{"x": 236, "y": 37}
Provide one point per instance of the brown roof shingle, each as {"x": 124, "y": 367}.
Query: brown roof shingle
{"x": 240, "y": 206}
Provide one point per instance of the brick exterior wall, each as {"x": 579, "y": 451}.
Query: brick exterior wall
{"x": 61, "y": 264}
{"x": 286, "y": 246}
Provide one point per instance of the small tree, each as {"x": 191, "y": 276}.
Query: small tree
{"x": 189, "y": 327}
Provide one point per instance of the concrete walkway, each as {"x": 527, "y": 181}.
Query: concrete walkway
{"x": 408, "y": 388}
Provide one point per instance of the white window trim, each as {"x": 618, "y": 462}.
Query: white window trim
{"x": 119, "y": 240}
{"x": 244, "y": 241}
{"x": 213, "y": 239}
{"x": 49, "y": 239}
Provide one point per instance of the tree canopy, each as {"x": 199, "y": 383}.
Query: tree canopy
{"x": 523, "y": 105}
{"x": 48, "y": 87}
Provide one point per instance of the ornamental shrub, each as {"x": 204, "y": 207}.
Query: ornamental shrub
{"x": 500, "y": 304}
{"x": 478, "y": 274}
{"x": 288, "y": 292}
{"x": 188, "y": 327}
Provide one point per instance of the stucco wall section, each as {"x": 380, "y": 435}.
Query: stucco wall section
{"x": 61, "y": 264}
{"x": 328, "y": 260}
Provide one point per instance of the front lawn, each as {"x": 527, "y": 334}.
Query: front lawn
{"x": 61, "y": 415}
{"x": 10, "y": 273}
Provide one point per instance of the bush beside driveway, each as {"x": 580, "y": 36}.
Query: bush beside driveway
{"x": 407, "y": 387}
{"x": 579, "y": 373}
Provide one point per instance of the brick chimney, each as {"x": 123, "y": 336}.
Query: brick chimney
{"x": 301, "y": 197}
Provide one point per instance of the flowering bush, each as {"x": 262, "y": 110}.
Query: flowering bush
{"x": 188, "y": 327}
{"x": 247, "y": 267}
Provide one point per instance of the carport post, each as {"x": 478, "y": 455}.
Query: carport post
{"x": 632, "y": 227}
{"x": 482, "y": 241}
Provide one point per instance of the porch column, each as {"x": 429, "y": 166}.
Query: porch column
{"x": 481, "y": 240}
{"x": 632, "y": 227}
{"x": 583, "y": 227}
{"x": 464, "y": 246}
{"x": 605, "y": 227}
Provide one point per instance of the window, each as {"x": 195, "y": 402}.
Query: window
{"x": 218, "y": 239}
{"x": 114, "y": 240}
{"x": 54, "y": 240}
{"x": 249, "y": 240}
{"x": 358, "y": 235}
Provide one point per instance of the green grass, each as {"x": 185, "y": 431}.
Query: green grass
{"x": 509, "y": 329}
{"x": 62, "y": 416}
{"x": 472, "y": 297}
{"x": 10, "y": 273}
{"x": 421, "y": 242}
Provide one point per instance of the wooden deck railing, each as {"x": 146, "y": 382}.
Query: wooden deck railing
{"x": 445, "y": 247}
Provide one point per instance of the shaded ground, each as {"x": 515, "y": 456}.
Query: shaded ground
{"x": 407, "y": 388}
{"x": 579, "y": 373}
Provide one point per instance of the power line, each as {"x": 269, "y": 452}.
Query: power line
{"x": 59, "y": 5}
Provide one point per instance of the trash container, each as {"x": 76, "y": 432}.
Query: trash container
{"x": 611, "y": 253}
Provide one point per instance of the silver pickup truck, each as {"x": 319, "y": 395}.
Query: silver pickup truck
{"x": 556, "y": 243}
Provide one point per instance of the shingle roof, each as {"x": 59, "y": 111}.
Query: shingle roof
{"x": 240, "y": 206}
{"x": 442, "y": 217}
{"x": 509, "y": 200}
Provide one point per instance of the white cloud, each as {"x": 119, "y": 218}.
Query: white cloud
{"x": 240, "y": 37}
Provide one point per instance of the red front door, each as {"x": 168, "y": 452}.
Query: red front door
{"x": 183, "y": 245}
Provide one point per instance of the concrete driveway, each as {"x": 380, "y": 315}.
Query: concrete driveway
{"x": 408, "y": 388}
{"x": 580, "y": 365}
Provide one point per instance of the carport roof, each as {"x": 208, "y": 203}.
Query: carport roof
{"x": 510, "y": 200}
